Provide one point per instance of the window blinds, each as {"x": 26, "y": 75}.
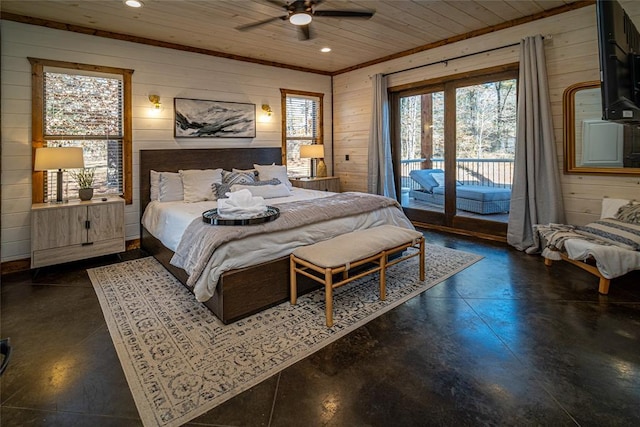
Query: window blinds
{"x": 302, "y": 118}
{"x": 87, "y": 111}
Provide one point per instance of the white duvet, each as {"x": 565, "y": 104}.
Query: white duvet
{"x": 167, "y": 221}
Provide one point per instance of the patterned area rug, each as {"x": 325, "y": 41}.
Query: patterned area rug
{"x": 181, "y": 361}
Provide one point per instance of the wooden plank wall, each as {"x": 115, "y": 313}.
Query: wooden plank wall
{"x": 165, "y": 72}
{"x": 572, "y": 57}
{"x": 571, "y": 49}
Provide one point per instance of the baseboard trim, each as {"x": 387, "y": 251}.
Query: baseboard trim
{"x": 15, "y": 266}
{"x": 9, "y": 267}
{"x": 460, "y": 231}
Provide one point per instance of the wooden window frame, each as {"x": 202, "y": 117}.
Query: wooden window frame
{"x": 283, "y": 105}
{"x": 37, "y": 120}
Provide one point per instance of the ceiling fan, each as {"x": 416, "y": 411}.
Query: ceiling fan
{"x": 301, "y": 12}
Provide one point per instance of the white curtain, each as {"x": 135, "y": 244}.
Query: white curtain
{"x": 536, "y": 196}
{"x": 380, "y": 161}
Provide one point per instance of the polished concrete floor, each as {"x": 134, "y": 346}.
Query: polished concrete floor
{"x": 506, "y": 342}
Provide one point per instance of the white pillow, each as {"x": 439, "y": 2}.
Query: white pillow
{"x": 197, "y": 184}
{"x": 610, "y": 207}
{"x": 154, "y": 182}
{"x": 268, "y": 172}
{"x": 264, "y": 191}
{"x": 170, "y": 189}
{"x": 439, "y": 178}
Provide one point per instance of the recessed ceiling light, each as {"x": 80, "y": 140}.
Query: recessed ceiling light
{"x": 325, "y": 49}
{"x": 134, "y": 3}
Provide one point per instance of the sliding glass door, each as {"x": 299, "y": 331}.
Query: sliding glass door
{"x": 421, "y": 143}
{"x": 454, "y": 146}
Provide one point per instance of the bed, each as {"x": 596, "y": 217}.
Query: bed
{"x": 607, "y": 248}
{"x": 470, "y": 197}
{"x": 240, "y": 283}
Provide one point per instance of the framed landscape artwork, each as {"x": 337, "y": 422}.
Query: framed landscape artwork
{"x": 197, "y": 118}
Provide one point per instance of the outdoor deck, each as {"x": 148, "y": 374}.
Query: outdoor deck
{"x": 486, "y": 172}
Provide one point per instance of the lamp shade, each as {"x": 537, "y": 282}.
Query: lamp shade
{"x": 315, "y": 151}
{"x": 48, "y": 158}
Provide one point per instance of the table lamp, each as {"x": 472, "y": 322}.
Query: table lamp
{"x": 51, "y": 158}
{"x": 315, "y": 151}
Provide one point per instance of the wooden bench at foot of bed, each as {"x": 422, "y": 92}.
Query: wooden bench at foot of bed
{"x": 351, "y": 250}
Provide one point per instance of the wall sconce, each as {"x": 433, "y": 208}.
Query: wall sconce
{"x": 155, "y": 100}
{"x": 267, "y": 111}
{"x": 157, "y": 106}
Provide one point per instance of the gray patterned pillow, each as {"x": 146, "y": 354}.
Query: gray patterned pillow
{"x": 629, "y": 213}
{"x": 221, "y": 190}
{"x": 238, "y": 177}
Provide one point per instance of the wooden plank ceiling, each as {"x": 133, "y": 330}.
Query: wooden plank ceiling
{"x": 397, "y": 25}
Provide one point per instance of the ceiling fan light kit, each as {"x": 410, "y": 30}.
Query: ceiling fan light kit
{"x": 301, "y": 13}
{"x": 301, "y": 18}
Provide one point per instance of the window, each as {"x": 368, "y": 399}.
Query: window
{"x": 302, "y": 126}
{"x": 78, "y": 105}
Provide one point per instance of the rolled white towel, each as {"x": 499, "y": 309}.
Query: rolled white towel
{"x": 241, "y": 204}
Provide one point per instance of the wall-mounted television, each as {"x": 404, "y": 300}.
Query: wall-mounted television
{"x": 619, "y": 49}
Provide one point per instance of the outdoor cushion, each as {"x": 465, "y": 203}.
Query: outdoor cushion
{"x": 424, "y": 178}
{"x": 481, "y": 193}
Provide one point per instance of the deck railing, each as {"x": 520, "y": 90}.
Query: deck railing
{"x": 488, "y": 172}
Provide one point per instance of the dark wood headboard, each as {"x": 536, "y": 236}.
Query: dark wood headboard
{"x": 207, "y": 158}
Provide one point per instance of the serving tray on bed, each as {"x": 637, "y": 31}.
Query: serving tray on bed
{"x": 212, "y": 217}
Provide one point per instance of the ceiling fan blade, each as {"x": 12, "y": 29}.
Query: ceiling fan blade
{"x": 278, "y": 3}
{"x": 304, "y": 32}
{"x": 257, "y": 24}
{"x": 343, "y": 13}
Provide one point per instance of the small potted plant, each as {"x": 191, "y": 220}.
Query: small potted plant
{"x": 84, "y": 179}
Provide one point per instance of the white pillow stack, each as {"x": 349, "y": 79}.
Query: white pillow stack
{"x": 196, "y": 185}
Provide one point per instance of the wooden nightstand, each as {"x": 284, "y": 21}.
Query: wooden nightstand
{"x": 329, "y": 183}
{"x": 76, "y": 230}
